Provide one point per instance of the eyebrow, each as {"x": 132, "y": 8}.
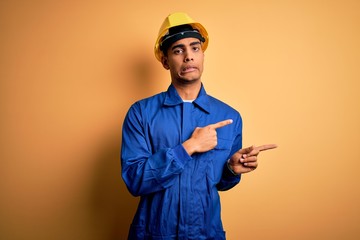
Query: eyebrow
{"x": 183, "y": 45}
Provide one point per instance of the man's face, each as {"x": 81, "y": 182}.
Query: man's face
{"x": 185, "y": 60}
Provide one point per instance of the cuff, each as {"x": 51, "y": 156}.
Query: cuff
{"x": 181, "y": 155}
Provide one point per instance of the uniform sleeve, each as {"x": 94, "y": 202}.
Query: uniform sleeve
{"x": 145, "y": 172}
{"x": 228, "y": 179}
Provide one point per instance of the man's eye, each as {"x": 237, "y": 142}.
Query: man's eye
{"x": 196, "y": 49}
{"x": 178, "y": 51}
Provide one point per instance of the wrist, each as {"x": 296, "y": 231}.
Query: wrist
{"x": 230, "y": 168}
{"x": 189, "y": 148}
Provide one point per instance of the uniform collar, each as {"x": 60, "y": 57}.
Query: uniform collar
{"x": 172, "y": 98}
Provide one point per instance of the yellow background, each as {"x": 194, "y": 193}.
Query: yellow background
{"x": 69, "y": 71}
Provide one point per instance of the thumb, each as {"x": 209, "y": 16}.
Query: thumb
{"x": 246, "y": 150}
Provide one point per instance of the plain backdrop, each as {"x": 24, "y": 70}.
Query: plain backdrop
{"x": 69, "y": 70}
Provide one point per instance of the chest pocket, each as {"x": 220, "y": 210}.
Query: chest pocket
{"x": 223, "y": 144}
{"x": 219, "y": 155}
{"x": 222, "y": 150}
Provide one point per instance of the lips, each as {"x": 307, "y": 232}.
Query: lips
{"x": 189, "y": 69}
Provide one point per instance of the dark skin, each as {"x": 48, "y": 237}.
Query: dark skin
{"x": 185, "y": 60}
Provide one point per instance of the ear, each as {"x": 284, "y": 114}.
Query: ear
{"x": 164, "y": 62}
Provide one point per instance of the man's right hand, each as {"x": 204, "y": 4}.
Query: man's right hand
{"x": 204, "y": 139}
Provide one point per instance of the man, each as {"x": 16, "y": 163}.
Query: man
{"x": 182, "y": 146}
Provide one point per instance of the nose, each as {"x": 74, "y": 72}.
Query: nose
{"x": 188, "y": 57}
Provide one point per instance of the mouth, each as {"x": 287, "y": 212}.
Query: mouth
{"x": 188, "y": 69}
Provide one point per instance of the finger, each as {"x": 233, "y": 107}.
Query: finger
{"x": 242, "y": 169}
{"x": 250, "y": 164}
{"x": 266, "y": 147}
{"x": 250, "y": 158}
{"x": 221, "y": 124}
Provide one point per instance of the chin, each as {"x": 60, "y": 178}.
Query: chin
{"x": 190, "y": 78}
{"x": 191, "y": 81}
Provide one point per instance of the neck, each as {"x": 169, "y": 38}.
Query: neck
{"x": 188, "y": 91}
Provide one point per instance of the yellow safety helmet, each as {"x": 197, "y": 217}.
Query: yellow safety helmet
{"x": 178, "y": 19}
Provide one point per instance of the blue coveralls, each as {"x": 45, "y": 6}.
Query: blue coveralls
{"x": 179, "y": 193}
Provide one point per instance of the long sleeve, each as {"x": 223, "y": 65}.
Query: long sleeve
{"x": 228, "y": 180}
{"x": 145, "y": 172}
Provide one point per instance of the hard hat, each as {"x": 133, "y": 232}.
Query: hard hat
{"x": 177, "y": 19}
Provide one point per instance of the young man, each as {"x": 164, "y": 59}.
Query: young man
{"x": 182, "y": 146}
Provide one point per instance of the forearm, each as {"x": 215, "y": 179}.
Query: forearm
{"x": 144, "y": 175}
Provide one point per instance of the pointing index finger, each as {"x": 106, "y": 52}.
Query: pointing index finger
{"x": 266, "y": 147}
{"x": 221, "y": 123}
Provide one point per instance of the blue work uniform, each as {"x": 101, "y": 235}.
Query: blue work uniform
{"x": 179, "y": 193}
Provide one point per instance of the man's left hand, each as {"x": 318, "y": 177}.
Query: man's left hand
{"x": 245, "y": 160}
